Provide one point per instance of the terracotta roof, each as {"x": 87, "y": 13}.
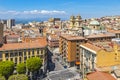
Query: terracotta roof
{"x": 100, "y": 76}
{"x": 92, "y": 47}
{"x": 70, "y": 37}
{"x": 101, "y": 35}
{"x": 39, "y": 43}
{"x": 114, "y": 31}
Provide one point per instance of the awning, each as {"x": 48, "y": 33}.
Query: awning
{"x": 77, "y": 62}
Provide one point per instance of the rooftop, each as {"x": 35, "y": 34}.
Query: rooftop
{"x": 91, "y": 46}
{"x": 94, "y": 22}
{"x": 96, "y": 46}
{"x": 100, "y": 35}
{"x": 114, "y": 31}
{"x": 72, "y": 37}
{"x": 100, "y": 76}
{"x": 39, "y": 43}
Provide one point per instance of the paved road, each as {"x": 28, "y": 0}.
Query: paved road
{"x": 58, "y": 66}
{"x": 53, "y": 63}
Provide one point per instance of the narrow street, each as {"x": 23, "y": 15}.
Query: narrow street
{"x": 53, "y": 63}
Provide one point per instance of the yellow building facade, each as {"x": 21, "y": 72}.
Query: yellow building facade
{"x": 20, "y": 52}
{"x": 96, "y": 56}
{"x": 69, "y": 49}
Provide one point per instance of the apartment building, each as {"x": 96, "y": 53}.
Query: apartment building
{"x": 97, "y": 55}
{"x": 69, "y": 49}
{"x": 20, "y": 52}
{"x": 53, "y": 41}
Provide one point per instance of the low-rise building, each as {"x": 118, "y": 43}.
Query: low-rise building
{"x": 116, "y": 32}
{"x": 12, "y": 38}
{"x": 53, "y": 41}
{"x": 98, "y": 55}
{"x": 20, "y": 52}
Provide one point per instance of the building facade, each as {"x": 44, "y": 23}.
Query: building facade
{"x": 1, "y": 34}
{"x": 97, "y": 55}
{"x": 53, "y": 41}
{"x": 20, "y": 52}
{"x": 69, "y": 49}
{"x": 75, "y": 21}
{"x": 10, "y": 23}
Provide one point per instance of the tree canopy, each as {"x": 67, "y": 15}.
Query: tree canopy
{"x": 2, "y": 77}
{"x": 6, "y": 68}
{"x": 33, "y": 64}
{"x": 18, "y": 77}
{"x": 21, "y": 68}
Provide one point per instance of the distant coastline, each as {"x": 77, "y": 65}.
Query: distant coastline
{"x": 25, "y": 21}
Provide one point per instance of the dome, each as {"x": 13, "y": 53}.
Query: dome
{"x": 94, "y": 22}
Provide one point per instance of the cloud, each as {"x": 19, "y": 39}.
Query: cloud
{"x": 42, "y": 12}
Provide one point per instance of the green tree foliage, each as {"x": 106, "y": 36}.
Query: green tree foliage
{"x": 6, "y": 68}
{"x": 18, "y": 77}
{"x": 2, "y": 77}
{"x": 21, "y": 68}
{"x": 33, "y": 64}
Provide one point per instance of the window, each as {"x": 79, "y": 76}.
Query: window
{"x": 15, "y": 60}
{"x": 20, "y": 59}
{"x": 25, "y": 58}
{"x": 16, "y": 54}
{"x": 0, "y": 54}
{"x": 77, "y": 54}
{"x": 20, "y": 53}
{"x": 11, "y": 54}
{"x": 28, "y": 52}
{"x": 24, "y": 53}
{"x": 32, "y": 52}
{"x": 37, "y": 51}
{"x": 6, "y": 55}
{"x": 11, "y": 59}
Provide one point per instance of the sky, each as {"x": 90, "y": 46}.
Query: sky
{"x": 58, "y": 8}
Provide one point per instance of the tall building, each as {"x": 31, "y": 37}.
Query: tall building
{"x": 10, "y": 23}
{"x": 1, "y": 34}
{"x": 69, "y": 49}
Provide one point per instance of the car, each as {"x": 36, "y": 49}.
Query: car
{"x": 65, "y": 66}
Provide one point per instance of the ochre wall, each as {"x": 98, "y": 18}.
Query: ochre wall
{"x": 105, "y": 58}
{"x": 71, "y": 51}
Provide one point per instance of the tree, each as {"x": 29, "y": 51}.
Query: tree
{"x": 21, "y": 68}
{"x": 18, "y": 77}
{"x": 2, "y": 77}
{"x": 6, "y": 68}
{"x": 33, "y": 64}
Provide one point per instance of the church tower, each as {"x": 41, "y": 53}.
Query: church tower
{"x": 78, "y": 21}
{"x": 72, "y": 21}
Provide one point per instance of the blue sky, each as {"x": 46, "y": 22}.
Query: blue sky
{"x": 58, "y": 8}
